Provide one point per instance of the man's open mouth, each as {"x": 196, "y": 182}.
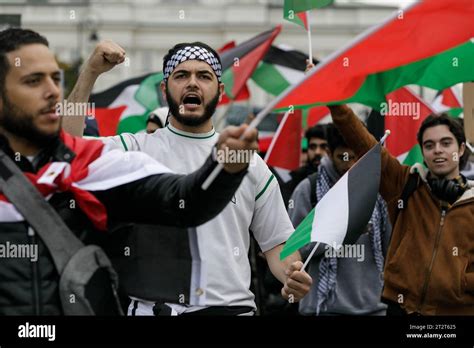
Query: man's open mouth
{"x": 192, "y": 100}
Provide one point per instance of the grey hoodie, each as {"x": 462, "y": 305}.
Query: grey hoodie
{"x": 358, "y": 289}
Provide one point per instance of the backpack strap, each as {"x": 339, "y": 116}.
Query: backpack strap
{"x": 410, "y": 187}
{"x": 312, "y": 180}
{"x": 59, "y": 239}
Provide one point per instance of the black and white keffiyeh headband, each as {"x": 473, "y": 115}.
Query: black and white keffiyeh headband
{"x": 193, "y": 53}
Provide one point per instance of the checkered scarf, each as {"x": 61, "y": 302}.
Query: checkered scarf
{"x": 193, "y": 53}
{"x": 328, "y": 265}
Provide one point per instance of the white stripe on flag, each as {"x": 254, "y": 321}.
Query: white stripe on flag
{"x": 330, "y": 225}
{"x": 115, "y": 168}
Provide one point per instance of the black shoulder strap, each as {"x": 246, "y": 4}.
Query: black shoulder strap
{"x": 59, "y": 239}
{"x": 410, "y": 187}
{"x": 312, "y": 180}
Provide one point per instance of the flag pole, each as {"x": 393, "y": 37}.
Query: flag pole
{"x": 310, "y": 256}
{"x": 270, "y": 106}
{"x": 310, "y": 46}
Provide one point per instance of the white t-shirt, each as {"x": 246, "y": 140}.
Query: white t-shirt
{"x": 224, "y": 241}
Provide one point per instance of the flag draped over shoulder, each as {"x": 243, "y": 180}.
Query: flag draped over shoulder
{"x": 95, "y": 167}
{"x": 365, "y": 73}
{"x": 343, "y": 213}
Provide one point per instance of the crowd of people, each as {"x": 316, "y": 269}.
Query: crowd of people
{"x": 177, "y": 249}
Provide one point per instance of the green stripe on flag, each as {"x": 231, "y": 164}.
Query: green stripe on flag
{"x": 301, "y": 236}
{"x": 133, "y": 124}
{"x": 147, "y": 93}
{"x": 267, "y": 77}
{"x": 414, "y": 156}
{"x": 228, "y": 81}
{"x": 291, "y": 8}
{"x": 305, "y": 5}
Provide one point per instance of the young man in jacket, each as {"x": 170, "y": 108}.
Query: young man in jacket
{"x": 429, "y": 268}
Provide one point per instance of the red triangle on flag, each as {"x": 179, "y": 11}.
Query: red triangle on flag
{"x": 450, "y": 99}
{"x": 404, "y": 128}
{"x": 108, "y": 120}
{"x": 285, "y": 149}
{"x": 304, "y": 18}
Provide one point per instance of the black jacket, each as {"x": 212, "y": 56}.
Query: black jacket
{"x": 31, "y": 288}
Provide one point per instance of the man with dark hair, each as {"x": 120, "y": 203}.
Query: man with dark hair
{"x": 348, "y": 283}
{"x": 219, "y": 281}
{"x": 316, "y": 139}
{"x": 429, "y": 268}
{"x": 90, "y": 186}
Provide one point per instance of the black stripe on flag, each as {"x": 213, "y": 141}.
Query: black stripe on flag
{"x": 105, "y": 98}
{"x": 362, "y": 188}
{"x": 291, "y": 59}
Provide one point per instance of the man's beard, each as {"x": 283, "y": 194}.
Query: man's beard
{"x": 209, "y": 110}
{"x": 315, "y": 162}
{"x": 20, "y": 124}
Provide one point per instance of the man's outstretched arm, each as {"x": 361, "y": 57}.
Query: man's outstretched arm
{"x": 179, "y": 200}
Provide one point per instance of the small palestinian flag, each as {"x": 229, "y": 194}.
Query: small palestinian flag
{"x": 282, "y": 67}
{"x": 240, "y": 62}
{"x": 295, "y": 10}
{"x": 341, "y": 216}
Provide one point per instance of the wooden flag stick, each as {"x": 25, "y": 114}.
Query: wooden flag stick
{"x": 468, "y": 101}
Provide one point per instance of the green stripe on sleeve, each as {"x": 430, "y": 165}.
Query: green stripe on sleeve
{"x": 265, "y": 188}
{"x": 123, "y": 142}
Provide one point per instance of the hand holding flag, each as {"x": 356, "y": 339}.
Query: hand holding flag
{"x": 297, "y": 284}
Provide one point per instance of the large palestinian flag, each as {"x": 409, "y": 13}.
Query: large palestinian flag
{"x": 363, "y": 72}
{"x": 343, "y": 213}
